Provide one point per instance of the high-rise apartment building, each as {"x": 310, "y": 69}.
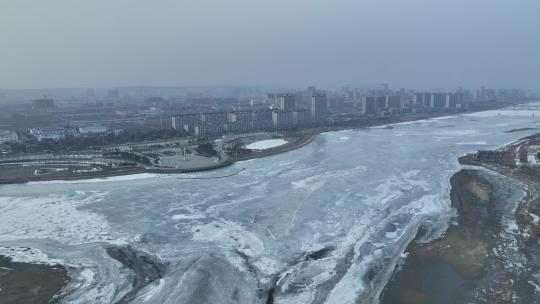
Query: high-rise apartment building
{"x": 283, "y": 120}
{"x": 368, "y": 105}
{"x": 319, "y": 107}
{"x": 286, "y": 102}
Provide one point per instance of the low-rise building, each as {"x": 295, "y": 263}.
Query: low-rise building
{"x": 8, "y": 136}
{"x": 92, "y": 130}
{"x": 43, "y": 134}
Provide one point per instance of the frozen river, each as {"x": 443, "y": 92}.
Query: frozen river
{"x": 325, "y": 223}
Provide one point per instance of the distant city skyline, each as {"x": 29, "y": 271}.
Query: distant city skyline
{"x": 415, "y": 44}
{"x": 242, "y": 92}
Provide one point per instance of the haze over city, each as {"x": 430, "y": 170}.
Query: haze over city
{"x": 270, "y": 152}
{"x": 416, "y": 43}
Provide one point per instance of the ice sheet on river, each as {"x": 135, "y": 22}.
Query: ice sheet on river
{"x": 322, "y": 224}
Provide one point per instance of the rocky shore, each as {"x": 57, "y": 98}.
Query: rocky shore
{"x": 490, "y": 254}
{"x": 38, "y": 283}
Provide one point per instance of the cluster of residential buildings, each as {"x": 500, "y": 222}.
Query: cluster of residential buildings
{"x": 398, "y": 104}
{"x": 381, "y": 105}
{"x": 285, "y": 115}
{"x": 437, "y": 100}
{"x": 102, "y": 112}
{"x": 483, "y": 94}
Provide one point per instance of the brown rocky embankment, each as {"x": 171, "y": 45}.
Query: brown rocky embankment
{"x": 469, "y": 264}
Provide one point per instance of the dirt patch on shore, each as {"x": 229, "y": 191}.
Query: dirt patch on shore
{"x": 480, "y": 190}
{"x": 466, "y": 255}
{"x": 30, "y": 283}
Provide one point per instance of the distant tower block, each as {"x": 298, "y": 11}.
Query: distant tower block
{"x": 319, "y": 107}
{"x": 286, "y": 102}
{"x": 43, "y": 104}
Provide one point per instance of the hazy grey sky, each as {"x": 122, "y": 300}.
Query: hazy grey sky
{"x": 412, "y": 43}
